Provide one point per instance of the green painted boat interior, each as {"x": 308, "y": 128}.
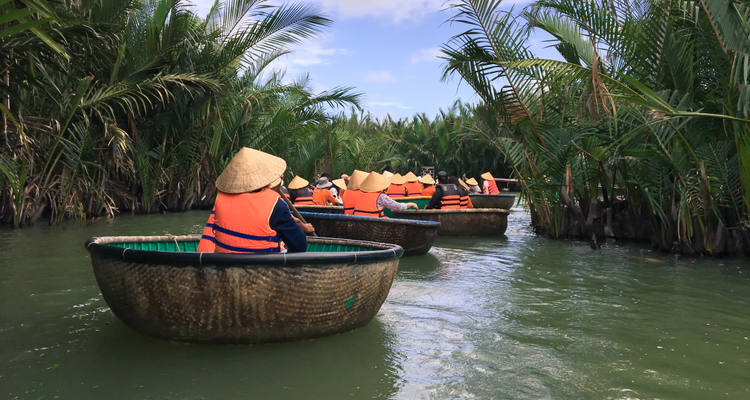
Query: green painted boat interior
{"x": 421, "y": 203}
{"x": 192, "y": 245}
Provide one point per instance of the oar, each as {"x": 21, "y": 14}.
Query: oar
{"x": 293, "y": 208}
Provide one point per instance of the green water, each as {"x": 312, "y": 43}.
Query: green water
{"x": 512, "y": 317}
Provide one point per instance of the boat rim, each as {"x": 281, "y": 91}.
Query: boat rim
{"x": 492, "y": 195}
{"x": 397, "y": 221}
{"x": 456, "y": 211}
{"x": 100, "y": 245}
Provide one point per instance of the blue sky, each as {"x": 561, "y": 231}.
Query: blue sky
{"x": 387, "y": 50}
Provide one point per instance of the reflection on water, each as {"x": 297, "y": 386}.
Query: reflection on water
{"x": 517, "y": 316}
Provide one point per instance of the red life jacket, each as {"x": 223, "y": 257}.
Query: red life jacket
{"x": 428, "y": 190}
{"x": 491, "y": 188}
{"x": 302, "y": 196}
{"x": 396, "y": 190}
{"x": 241, "y": 223}
{"x": 414, "y": 188}
{"x": 350, "y": 198}
{"x": 451, "y": 199}
{"x": 206, "y": 245}
{"x": 367, "y": 205}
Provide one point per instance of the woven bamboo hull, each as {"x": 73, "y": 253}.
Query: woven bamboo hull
{"x": 415, "y": 237}
{"x": 463, "y": 222}
{"x": 503, "y": 200}
{"x": 210, "y": 297}
{"x": 321, "y": 209}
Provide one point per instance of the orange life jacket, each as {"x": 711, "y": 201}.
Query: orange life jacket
{"x": 451, "y": 198}
{"x": 206, "y": 245}
{"x": 367, "y": 205}
{"x": 491, "y": 188}
{"x": 302, "y": 196}
{"x": 396, "y": 190}
{"x": 350, "y": 198}
{"x": 465, "y": 201}
{"x": 241, "y": 223}
{"x": 414, "y": 188}
{"x": 322, "y": 196}
{"x": 428, "y": 190}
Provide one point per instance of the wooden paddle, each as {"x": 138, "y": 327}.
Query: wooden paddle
{"x": 292, "y": 207}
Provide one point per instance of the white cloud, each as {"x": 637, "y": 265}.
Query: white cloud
{"x": 426, "y": 55}
{"x": 397, "y": 10}
{"x": 312, "y": 52}
{"x": 379, "y": 77}
{"x": 388, "y": 104}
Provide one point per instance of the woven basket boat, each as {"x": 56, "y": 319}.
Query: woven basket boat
{"x": 414, "y": 236}
{"x": 160, "y": 286}
{"x": 503, "y": 200}
{"x": 463, "y": 222}
{"x": 320, "y": 209}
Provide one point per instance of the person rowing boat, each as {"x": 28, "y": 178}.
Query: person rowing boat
{"x": 249, "y": 216}
{"x": 373, "y": 199}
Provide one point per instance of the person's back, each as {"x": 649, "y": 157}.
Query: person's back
{"x": 446, "y": 194}
{"x": 248, "y": 215}
{"x": 302, "y": 196}
{"x": 322, "y": 197}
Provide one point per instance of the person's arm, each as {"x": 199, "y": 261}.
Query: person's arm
{"x": 333, "y": 199}
{"x": 385, "y": 201}
{"x": 282, "y": 222}
{"x": 435, "y": 200}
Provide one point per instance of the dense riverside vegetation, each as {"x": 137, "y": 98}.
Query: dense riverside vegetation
{"x": 112, "y": 106}
{"x": 135, "y": 105}
{"x": 643, "y": 130}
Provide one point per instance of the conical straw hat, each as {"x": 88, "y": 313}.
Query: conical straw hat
{"x": 374, "y": 183}
{"x": 427, "y": 180}
{"x": 356, "y": 179}
{"x": 410, "y": 177}
{"x": 340, "y": 183}
{"x": 462, "y": 183}
{"x": 472, "y": 182}
{"x": 387, "y": 174}
{"x": 298, "y": 183}
{"x": 250, "y": 170}
{"x": 487, "y": 176}
{"x": 397, "y": 179}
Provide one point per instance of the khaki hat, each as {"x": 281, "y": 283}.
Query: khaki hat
{"x": 487, "y": 176}
{"x": 374, "y": 183}
{"x": 356, "y": 179}
{"x": 397, "y": 179}
{"x": 387, "y": 174}
{"x": 250, "y": 170}
{"x": 462, "y": 183}
{"x": 472, "y": 182}
{"x": 340, "y": 183}
{"x": 427, "y": 180}
{"x": 410, "y": 177}
{"x": 298, "y": 183}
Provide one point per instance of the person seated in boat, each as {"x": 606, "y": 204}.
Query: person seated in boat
{"x": 249, "y": 215}
{"x": 463, "y": 190}
{"x": 396, "y": 187}
{"x": 473, "y": 186}
{"x": 447, "y": 195}
{"x": 413, "y": 187}
{"x": 489, "y": 186}
{"x": 299, "y": 192}
{"x": 322, "y": 193}
{"x": 373, "y": 199}
{"x": 341, "y": 186}
{"x": 345, "y": 178}
{"x": 351, "y": 195}
{"x": 428, "y": 185}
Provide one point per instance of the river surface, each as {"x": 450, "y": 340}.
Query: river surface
{"x": 513, "y": 317}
